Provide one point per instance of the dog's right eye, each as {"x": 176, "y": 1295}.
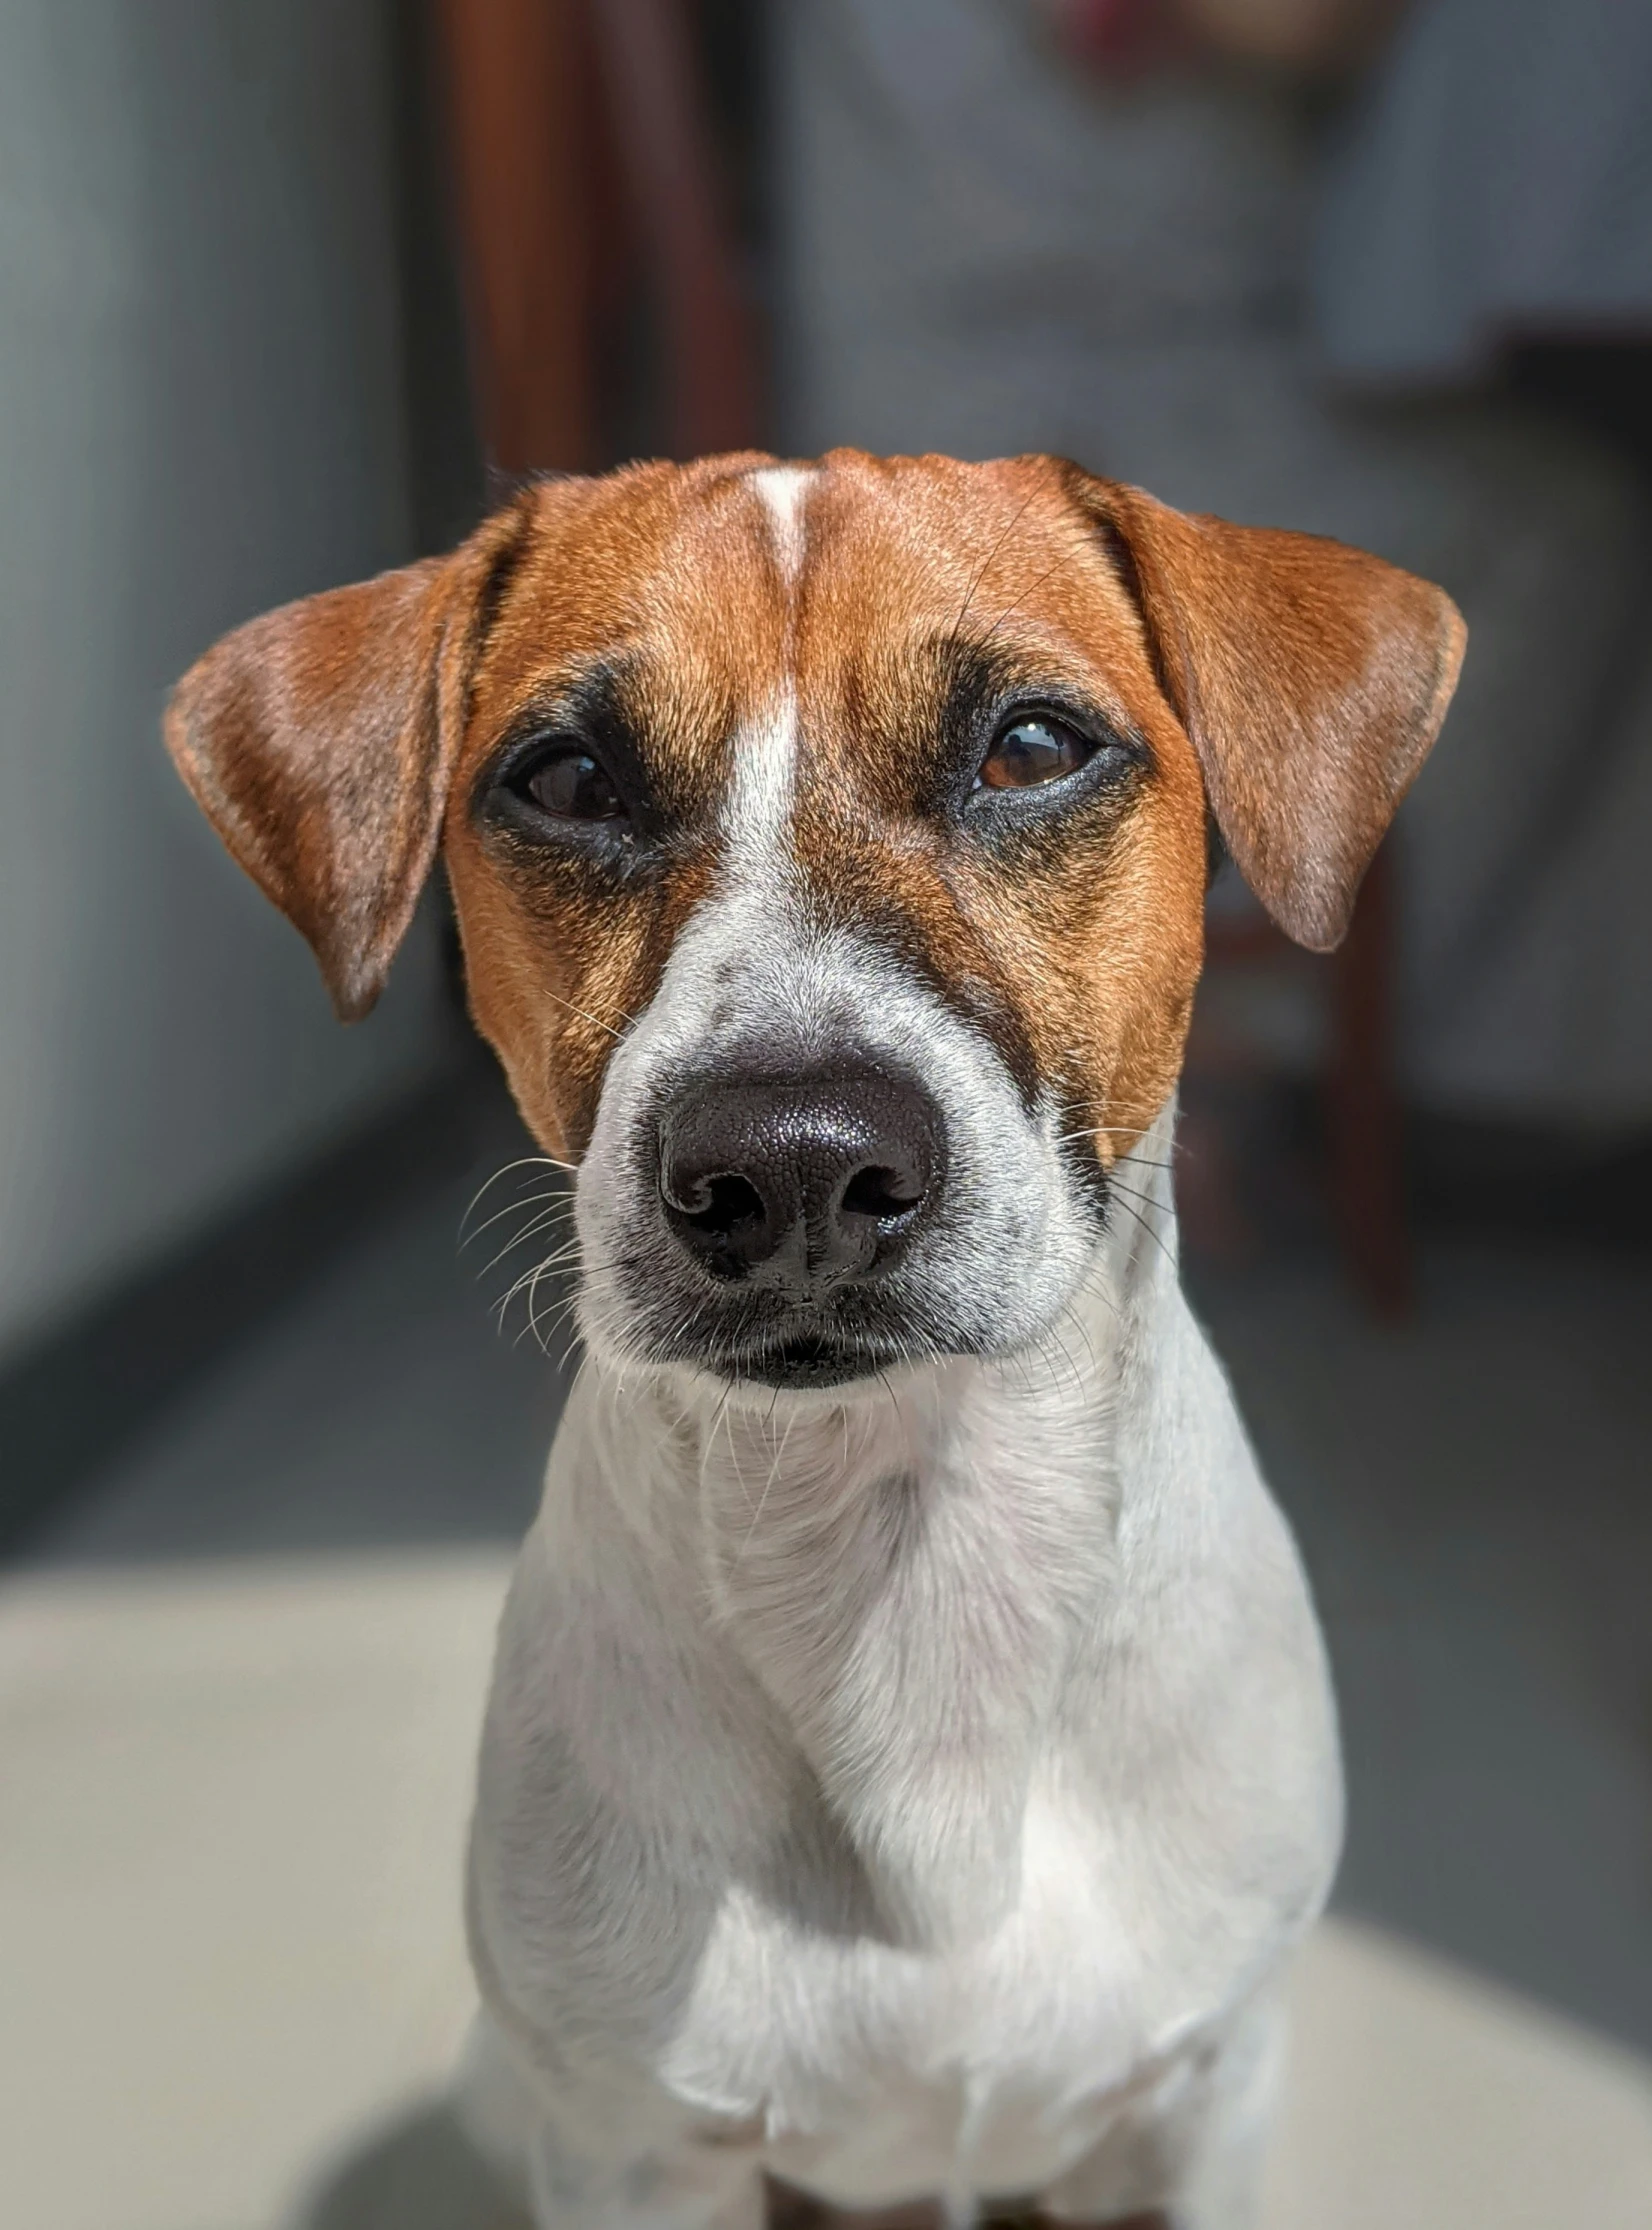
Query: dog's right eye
{"x": 565, "y": 781}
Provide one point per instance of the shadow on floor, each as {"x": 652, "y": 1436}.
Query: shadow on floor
{"x": 402, "y": 1400}
{"x": 419, "y": 2173}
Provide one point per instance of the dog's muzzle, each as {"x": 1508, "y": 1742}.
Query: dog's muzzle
{"x": 794, "y": 1197}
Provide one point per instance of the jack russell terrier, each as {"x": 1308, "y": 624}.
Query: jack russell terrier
{"x": 910, "y": 1756}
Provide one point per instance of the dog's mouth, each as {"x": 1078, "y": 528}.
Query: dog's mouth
{"x": 806, "y": 1363}
{"x": 741, "y": 1338}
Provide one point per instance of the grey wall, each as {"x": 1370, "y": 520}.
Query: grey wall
{"x": 200, "y": 415}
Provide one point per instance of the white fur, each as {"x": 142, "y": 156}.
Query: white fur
{"x": 757, "y": 812}
{"x": 782, "y": 489}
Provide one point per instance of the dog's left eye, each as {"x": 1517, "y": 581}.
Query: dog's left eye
{"x": 571, "y": 785}
{"x": 1033, "y": 749}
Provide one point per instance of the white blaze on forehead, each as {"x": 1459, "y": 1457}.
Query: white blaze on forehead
{"x": 765, "y": 750}
{"x": 759, "y": 806}
{"x": 781, "y": 489}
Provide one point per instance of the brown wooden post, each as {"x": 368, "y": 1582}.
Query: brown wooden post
{"x": 520, "y": 93}
{"x": 665, "y": 151}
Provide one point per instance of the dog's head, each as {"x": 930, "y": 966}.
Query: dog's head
{"x": 829, "y": 847}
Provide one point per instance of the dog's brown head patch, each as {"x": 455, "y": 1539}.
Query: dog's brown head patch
{"x": 798, "y": 672}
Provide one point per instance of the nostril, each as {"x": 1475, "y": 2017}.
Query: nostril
{"x": 881, "y": 1193}
{"x": 719, "y": 1205}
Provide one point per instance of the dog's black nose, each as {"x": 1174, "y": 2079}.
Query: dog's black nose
{"x": 800, "y": 1185}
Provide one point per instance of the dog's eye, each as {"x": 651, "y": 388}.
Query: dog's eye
{"x": 1032, "y": 749}
{"x": 567, "y": 782}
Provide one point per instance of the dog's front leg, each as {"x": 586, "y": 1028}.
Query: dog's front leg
{"x": 599, "y": 2163}
{"x": 691, "y": 2184}
{"x": 1190, "y": 2155}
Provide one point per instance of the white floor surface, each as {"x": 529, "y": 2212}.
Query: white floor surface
{"x": 232, "y": 1800}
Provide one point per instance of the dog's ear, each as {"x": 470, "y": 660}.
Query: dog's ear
{"x": 1312, "y": 680}
{"x": 320, "y": 742}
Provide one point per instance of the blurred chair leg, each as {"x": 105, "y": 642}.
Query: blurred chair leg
{"x": 579, "y": 136}
{"x": 520, "y": 84}
{"x": 667, "y": 152}
{"x": 1365, "y": 1126}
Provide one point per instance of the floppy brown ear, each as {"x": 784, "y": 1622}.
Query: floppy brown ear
{"x": 1312, "y": 680}
{"x": 320, "y": 741}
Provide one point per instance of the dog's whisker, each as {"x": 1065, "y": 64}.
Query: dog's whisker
{"x": 559, "y": 1195}
{"x": 985, "y": 567}
{"x": 1136, "y": 1161}
{"x": 595, "y": 1020}
{"x": 523, "y": 1161}
{"x": 1120, "y": 1191}
{"x": 533, "y": 1317}
{"x": 531, "y": 1230}
{"x": 774, "y": 1473}
{"x": 1021, "y": 599}
{"x": 525, "y": 1283}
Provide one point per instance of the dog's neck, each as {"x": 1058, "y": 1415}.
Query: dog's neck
{"x": 906, "y": 1574}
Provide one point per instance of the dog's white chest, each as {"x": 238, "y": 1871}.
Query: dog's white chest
{"x": 993, "y": 2067}
{"x": 925, "y": 1829}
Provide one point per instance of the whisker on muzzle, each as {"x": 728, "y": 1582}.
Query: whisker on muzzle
{"x": 523, "y": 1161}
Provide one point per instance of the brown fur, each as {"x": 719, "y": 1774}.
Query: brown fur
{"x": 1291, "y": 683}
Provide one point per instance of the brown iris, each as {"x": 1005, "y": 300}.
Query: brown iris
{"x": 573, "y": 786}
{"x": 1032, "y": 750}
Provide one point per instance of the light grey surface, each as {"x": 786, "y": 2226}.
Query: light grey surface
{"x": 1473, "y": 1494}
{"x": 1474, "y": 1498}
{"x": 391, "y": 1408}
{"x": 200, "y": 416}
{"x": 1492, "y": 183}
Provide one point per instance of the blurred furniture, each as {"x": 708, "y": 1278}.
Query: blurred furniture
{"x": 1365, "y": 1126}
{"x": 589, "y": 207}
{"x": 1362, "y": 1118}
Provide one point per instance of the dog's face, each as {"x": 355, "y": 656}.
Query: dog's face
{"x": 829, "y": 847}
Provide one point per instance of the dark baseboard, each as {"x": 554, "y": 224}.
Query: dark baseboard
{"x": 71, "y": 1403}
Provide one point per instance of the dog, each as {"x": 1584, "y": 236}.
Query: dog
{"x": 910, "y": 1758}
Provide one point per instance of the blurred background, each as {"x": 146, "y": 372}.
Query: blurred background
{"x": 285, "y": 287}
